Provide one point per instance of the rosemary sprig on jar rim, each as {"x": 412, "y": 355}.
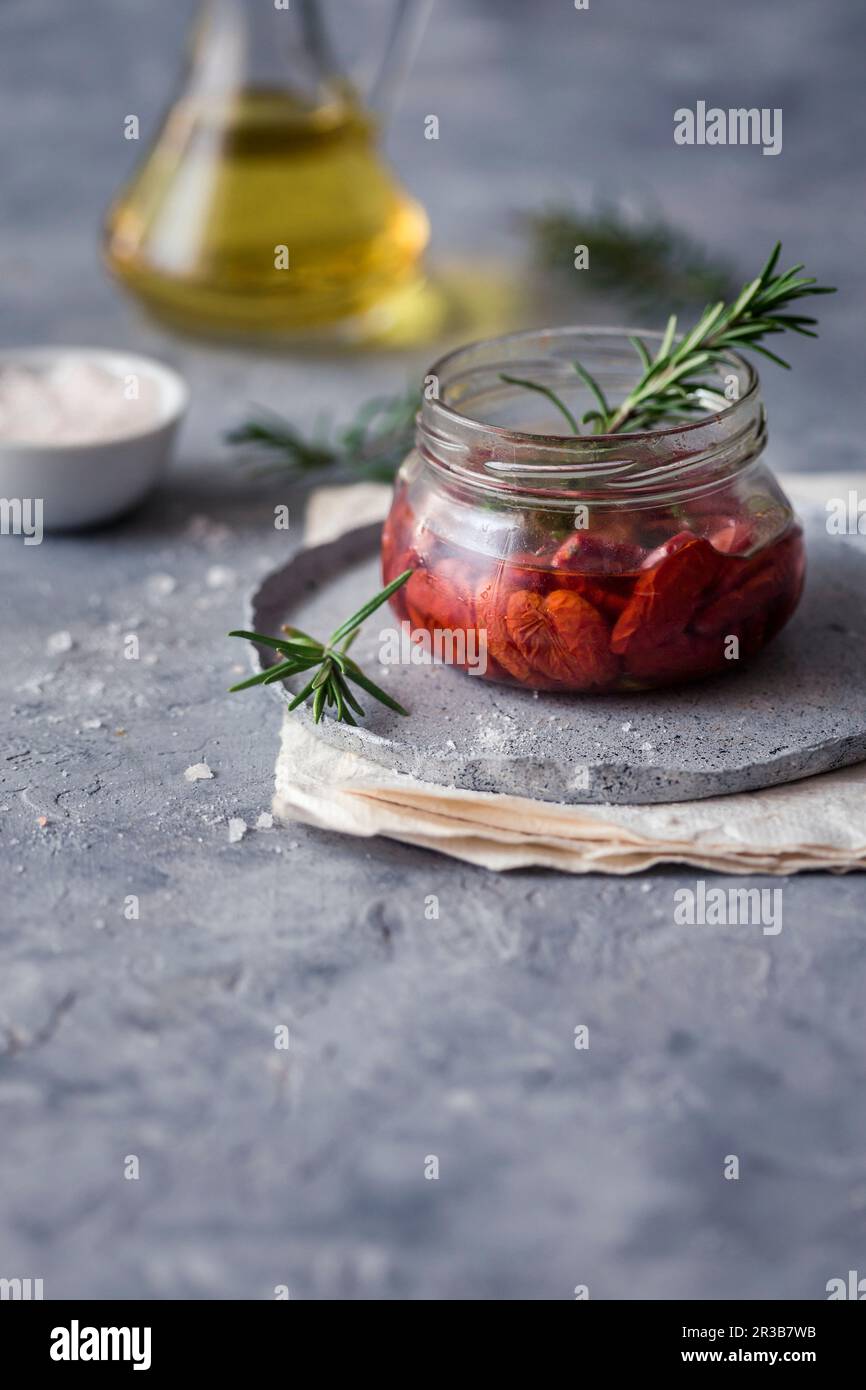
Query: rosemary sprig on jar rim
{"x": 670, "y": 386}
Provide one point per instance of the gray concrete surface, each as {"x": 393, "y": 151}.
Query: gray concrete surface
{"x": 410, "y": 1037}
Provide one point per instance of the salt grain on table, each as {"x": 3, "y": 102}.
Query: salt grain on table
{"x": 198, "y": 772}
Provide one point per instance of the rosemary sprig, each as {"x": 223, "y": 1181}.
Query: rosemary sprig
{"x": 672, "y": 385}
{"x": 642, "y": 259}
{"x": 372, "y": 446}
{"x": 329, "y": 661}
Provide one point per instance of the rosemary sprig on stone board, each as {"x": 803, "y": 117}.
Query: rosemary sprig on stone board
{"x": 371, "y": 447}
{"x": 643, "y": 260}
{"x": 333, "y": 669}
{"x": 671, "y": 386}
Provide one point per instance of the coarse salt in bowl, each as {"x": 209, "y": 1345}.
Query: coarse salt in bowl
{"x": 84, "y": 432}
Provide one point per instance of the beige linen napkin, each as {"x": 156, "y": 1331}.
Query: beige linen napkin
{"x": 818, "y": 823}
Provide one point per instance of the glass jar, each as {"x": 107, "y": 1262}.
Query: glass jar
{"x": 590, "y": 563}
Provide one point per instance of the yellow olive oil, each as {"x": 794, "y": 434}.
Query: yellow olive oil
{"x": 257, "y": 215}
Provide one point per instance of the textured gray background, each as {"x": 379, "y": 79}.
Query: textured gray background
{"x": 409, "y": 1037}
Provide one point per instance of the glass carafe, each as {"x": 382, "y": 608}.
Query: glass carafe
{"x": 264, "y": 207}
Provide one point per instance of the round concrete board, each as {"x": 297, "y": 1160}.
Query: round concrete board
{"x": 799, "y": 709}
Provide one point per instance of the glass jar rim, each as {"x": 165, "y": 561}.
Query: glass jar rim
{"x": 715, "y": 445}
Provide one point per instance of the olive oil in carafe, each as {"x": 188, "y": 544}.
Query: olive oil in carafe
{"x": 257, "y": 214}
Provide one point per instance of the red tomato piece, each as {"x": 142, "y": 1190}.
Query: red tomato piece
{"x": 667, "y": 591}
{"x": 594, "y": 553}
{"x": 562, "y": 637}
{"x": 683, "y": 657}
{"x": 608, "y": 593}
{"x": 441, "y": 598}
{"x": 491, "y": 602}
{"x": 585, "y": 635}
{"x": 779, "y": 576}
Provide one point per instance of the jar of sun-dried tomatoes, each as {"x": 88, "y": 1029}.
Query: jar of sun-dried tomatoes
{"x": 590, "y": 562}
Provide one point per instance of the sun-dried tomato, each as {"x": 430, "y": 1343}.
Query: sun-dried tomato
{"x": 776, "y": 575}
{"x": 585, "y": 552}
{"x": 491, "y": 608}
{"x": 532, "y": 633}
{"x": 441, "y": 599}
{"x": 585, "y": 634}
{"x": 562, "y": 637}
{"x": 601, "y": 573}
{"x": 667, "y": 591}
{"x": 491, "y": 602}
{"x": 683, "y": 657}
{"x": 609, "y": 593}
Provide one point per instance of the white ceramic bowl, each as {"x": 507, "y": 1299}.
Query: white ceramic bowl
{"x": 82, "y": 484}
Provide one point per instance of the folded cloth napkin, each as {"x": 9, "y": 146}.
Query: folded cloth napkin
{"x": 818, "y": 823}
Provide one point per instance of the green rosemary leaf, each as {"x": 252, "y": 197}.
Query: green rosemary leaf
{"x": 323, "y": 675}
{"x": 594, "y": 387}
{"x": 301, "y": 696}
{"x": 691, "y": 364}
{"x": 770, "y": 266}
{"x": 370, "y": 607}
{"x": 263, "y": 677}
{"x": 277, "y": 642}
{"x": 797, "y": 326}
{"x": 543, "y": 391}
{"x": 745, "y": 299}
{"x": 337, "y": 697}
{"x": 277, "y": 673}
{"x": 701, "y": 331}
{"x": 319, "y": 703}
{"x": 349, "y": 697}
{"x": 296, "y": 636}
{"x": 268, "y": 434}
{"x": 765, "y": 352}
{"x": 667, "y": 340}
{"x": 642, "y": 351}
